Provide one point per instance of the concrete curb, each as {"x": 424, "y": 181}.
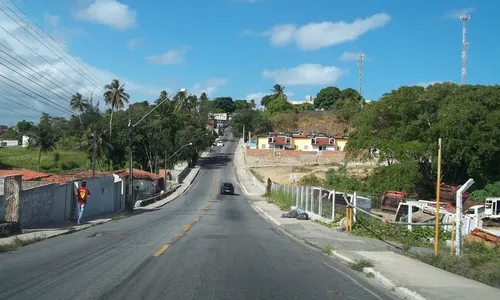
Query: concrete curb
{"x": 189, "y": 185}
{"x": 401, "y": 292}
{"x": 266, "y": 215}
{"x": 385, "y": 282}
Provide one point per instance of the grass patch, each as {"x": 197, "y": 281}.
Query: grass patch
{"x": 17, "y": 243}
{"x": 419, "y": 236}
{"x": 302, "y": 169}
{"x": 258, "y": 175}
{"x": 333, "y": 224}
{"x": 22, "y": 158}
{"x": 119, "y": 217}
{"x": 478, "y": 262}
{"x": 283, "y": 200}
{"x": 327, "y": 250}
{"x": 359, "y": 265}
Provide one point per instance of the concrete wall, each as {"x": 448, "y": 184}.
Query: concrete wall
{"x": 101, "y": 200}
{"x": 263, "y": 157}
{"x": 47, "y": 204}
{"x": 33, "y": 184}
{"x": 182, "y": 175}
{"x": 2, "y": 201}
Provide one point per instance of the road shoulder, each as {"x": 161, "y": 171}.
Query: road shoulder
{"x": 405, "y": 277}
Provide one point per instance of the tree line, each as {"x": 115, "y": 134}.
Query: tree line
{"x": 401, "y": 130}
{"x": 177, "y": 120}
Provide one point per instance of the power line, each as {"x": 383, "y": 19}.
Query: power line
{"x": 22, "y": 104}
{"x": 29, "y": 32}
{"x": 82, "y": 65}
{"x": 41, "y": 56}
{"x": 16, "y": 112}
{"x": 31, "y": 92}
{"x": 33, "y": 82}
{"x": 63, "y": 87}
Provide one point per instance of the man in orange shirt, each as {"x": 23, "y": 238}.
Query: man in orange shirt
{"x": 82, "y": 193}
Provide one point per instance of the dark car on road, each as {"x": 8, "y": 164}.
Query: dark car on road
{"x": 227, "y": 188}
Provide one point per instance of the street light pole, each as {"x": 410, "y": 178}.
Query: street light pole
{"x": 130, "y": 133}
{"x": 130, "y": 163}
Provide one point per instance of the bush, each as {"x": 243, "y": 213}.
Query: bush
{"x": 490, "y": 190}
{"x": 283, "y": 200}
{"x": 478, "y": 262}
{"x": 419, "y": 235}
{"x": 311, "y": 180}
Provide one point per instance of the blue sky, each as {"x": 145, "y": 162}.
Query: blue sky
{"x": 240, "y": 48}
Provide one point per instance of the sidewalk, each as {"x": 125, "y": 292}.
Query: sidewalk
{"x": 244, "y": 175}
{"x": 408, "y": 278}
{"x": 45, "y": 233}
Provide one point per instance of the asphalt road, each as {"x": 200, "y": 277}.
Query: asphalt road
{"x": 200, "y": 246}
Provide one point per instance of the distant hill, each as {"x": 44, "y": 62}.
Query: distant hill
{"x": 309, "y": 121}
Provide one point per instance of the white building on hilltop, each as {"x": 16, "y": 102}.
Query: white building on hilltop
{"x": 309, "y": 99}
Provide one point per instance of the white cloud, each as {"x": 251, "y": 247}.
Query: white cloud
{"x": 349, "y": 56}
{"x": 171, "y": 57}
{"x": 133, "y": 44}
{"x": 210, "y": 86}
{"x": 109, "y": 12}
{"x": 57, "y": 79}
{"x": 454, "y": 14}
{"x": 314, "y": 36}
{"x": 305, "y": 74}
{"x": 52, "y": 20}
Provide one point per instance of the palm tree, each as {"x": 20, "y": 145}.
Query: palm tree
{"x": 115, "y": 97}
{"x": 42, "y": 137}
{"x": 79, "y": 104}
{"x": 279, "y": 92}
{"x": 182, "y": 101}
{"x": 103, "y": 145}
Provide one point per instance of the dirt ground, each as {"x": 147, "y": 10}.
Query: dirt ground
{"x": 282, "y": 174}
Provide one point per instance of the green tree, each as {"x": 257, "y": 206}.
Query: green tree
{"x": 279, "y": 92}
{"x": 42, "y": 138}
{"x": 78, "y": 103}
{"x": 327, "y": 97}
{"x": 116, "y": 98}
{"x": 225, "y": 104}
{"x": 24, "y": 126}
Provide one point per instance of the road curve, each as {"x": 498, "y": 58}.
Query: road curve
{"x": 200, "y": 246}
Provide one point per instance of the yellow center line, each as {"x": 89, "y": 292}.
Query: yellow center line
{"x": 186, "y": 228}
{"x": 179, "y": 235}
{"x": 196, "y": 220}
{"x": 202, "y": 213}
{"x": 161, "y": 250}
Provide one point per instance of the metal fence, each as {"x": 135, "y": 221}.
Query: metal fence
{"x": 320, "y": 203}
{"x": 327, "y": 205}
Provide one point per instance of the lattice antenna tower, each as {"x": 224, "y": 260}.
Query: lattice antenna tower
{"x": 465, "y": 46}
{"x": 361, "y": 59}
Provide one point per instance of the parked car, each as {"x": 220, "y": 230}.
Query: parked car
{"x": 227, "y": 188}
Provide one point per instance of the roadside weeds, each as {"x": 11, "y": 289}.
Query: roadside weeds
{"x": 18, "y": 243}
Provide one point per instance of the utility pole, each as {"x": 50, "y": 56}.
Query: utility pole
{"x": 465, "y": 46}
{"x": 361, "y": 59}
{"x": 130, "y": 162}
{"x": 243, "y": 133}
{"x": 438, "y": 197}
{"x": 94, "y": 152}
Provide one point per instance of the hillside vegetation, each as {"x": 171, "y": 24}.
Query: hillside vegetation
{"x": 309, "y": 121}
